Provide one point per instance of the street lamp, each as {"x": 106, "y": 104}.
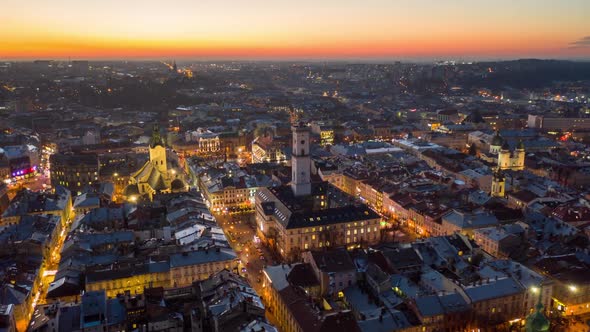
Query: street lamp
{"x": 572, "y": 288}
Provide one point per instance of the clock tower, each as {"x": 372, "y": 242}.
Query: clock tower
{"x": 301, "y": 161}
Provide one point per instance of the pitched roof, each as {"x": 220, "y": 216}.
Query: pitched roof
{"x": 336, "y": 260}
{"x": 201, "y": 257}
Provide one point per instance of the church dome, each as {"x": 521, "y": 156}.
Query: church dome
{"x": 497, "y": 140}
{"x": 177, "y": 184}
{"x": 131, "y": 190}
{"x": 537, "y": 322}
{"x": 505, "y": 146}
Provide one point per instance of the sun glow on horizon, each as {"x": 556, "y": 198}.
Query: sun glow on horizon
{"x": 282, "y": 29}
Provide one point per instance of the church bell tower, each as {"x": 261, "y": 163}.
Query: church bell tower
{"x": 158, "y": 151}
{"x": 498, "y": 184}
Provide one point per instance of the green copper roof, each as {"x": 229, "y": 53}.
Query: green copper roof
{"x": 497, "y": 140}
{"x": 537, "y": 322}
{"x": 156, "y": 137}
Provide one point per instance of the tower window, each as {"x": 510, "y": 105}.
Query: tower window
{"x": 302, "y": 151}
{"x": 302, "y": 141}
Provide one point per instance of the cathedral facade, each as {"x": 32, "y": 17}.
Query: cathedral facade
{"x": 507, "y": 159}
{"x": 155, "y": 176}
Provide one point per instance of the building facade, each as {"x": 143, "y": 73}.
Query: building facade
{"x": 74, "y": 171}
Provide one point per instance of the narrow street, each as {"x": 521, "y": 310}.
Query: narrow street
{"x": 241, "y": 234}
{"x": 48, "y": 270}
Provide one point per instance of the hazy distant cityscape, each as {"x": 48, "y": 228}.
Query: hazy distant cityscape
{"x": 294, "y": 196}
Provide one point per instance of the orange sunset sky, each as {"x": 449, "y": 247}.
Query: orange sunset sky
{"x": 280, "y": 29}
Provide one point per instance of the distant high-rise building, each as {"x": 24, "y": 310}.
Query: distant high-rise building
{"x": 91, "y": 137}
{"x": 80, "y": 67}
{"x": 557, "y": 123}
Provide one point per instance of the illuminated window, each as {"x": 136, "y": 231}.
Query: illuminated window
{"x": 306, "y": 246}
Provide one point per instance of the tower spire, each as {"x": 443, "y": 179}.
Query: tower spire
{"x": 537, "y": 322}
{"x": 156, "y": 136}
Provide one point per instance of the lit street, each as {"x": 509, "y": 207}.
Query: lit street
{"x": 39, "y": 182}
{"x": 48, "y": 270}
{"x": 240, "y": 232}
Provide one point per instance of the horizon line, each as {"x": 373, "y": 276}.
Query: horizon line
{"x": 302, "y": 59}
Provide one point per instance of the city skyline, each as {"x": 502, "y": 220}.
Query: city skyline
{"x": 282, "y": 166}
{"x": 373, "y": 30}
